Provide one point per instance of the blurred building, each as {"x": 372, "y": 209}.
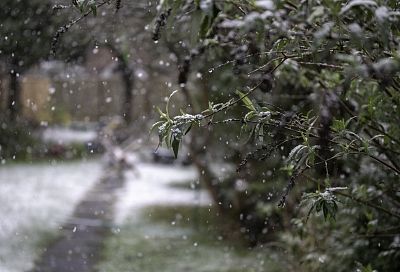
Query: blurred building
{"x": 56, "y": 92}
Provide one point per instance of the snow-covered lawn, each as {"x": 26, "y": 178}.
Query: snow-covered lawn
{"x": 150, "y": 184}
{"x": 156, "y": 228}
{"x": 34, "y": 200}
{"x": 64, "y": 135}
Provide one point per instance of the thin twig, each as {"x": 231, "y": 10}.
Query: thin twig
{"x": 242, "y": 97}
{"x": 369, "y": 204}
{"x": 321, "y": 64}
{"x": 233, "y": 102}
{"x": 290, "y": 186}
{"x": 63, "y": 29}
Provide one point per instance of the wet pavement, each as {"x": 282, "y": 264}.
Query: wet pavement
{"x": 81, "y": 240}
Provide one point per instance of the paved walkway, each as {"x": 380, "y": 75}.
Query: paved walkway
{"x": 81, "y": 238}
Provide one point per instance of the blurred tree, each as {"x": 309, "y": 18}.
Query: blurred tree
{"x": 120, "y": 29}
{"x": 26, "y": 29}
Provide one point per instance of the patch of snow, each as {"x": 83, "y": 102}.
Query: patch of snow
{"x": 67, "y": 135}
{"x": 266, "y": 4}
{"x": 34, "y": 201}
{"x": 382, "y": 14}
{"x": 149, "y": 184}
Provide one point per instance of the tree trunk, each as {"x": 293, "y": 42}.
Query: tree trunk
{"x": 14, "y": 96}
{"x": 128, "y": 77}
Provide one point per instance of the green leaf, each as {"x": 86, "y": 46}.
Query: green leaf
{"x": 156, "y": 125}
{"x": 295, "y": 152}
{"x": 175, "y": 147}
{"x": 249, "y": 115}
{"x": 162, "y": 115}
{"x": 94, "y": 9}
{"x": 188, "y": 129}
{"x": 325, "y": 210}
{"x": 167, "y": 106}
{"x": 318, "y": 206}
{"x": 338, "y": 125}
{"x": 247, "y": 102}
{"x": 204, "y": 26}
{"x": 208, "y": 20}
{"x": 197, "y": 18}
{"x": 354, "y": 3}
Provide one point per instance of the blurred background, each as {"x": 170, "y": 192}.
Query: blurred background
{"x": 82, "y": 187}
{"x": 87, "y": 185}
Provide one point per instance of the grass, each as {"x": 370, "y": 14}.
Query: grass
{"x": 186, "y": 185}
{"x": 17, "y": 253}
{"x": 182, "y": 238}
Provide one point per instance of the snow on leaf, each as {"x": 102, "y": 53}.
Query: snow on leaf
{"x": 354, "y": 3}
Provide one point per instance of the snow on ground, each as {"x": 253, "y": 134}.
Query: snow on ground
{"x": 149, "y": 185}
{"x": 61, "y": 135}
{"x": 34, "y": 200}
{"x": 149, "y": 239}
